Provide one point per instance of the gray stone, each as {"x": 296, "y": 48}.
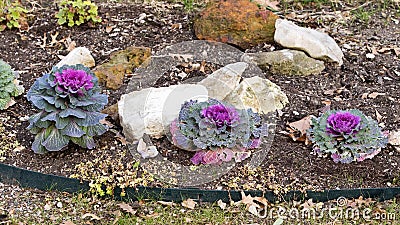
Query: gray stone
{"x": 221, "y": 82}
{"x": 80, "y": 55}
{"x": 286, "y": 62}
{"x": 316, "y": 44}
{"x": 152, "y": 110}
{"x": 259, "y": 94}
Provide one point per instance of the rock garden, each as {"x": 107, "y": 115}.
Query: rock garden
{"x": 220, "y": 95}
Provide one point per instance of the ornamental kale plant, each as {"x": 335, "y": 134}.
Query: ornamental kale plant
{"x": 217, "y": 132}
{"x": 70, "y": 102}
{"x": 8, "y": 85}
{"x": 346, "y": 135}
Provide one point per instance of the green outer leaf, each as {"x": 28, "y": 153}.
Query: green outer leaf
{"x": 84, "y": 141}
{"x": 55, "y": 141}
{"x": 73, "y": 112}
{"x": 37, "y": 146}
{"x": 4, "y": 102}
{"x": 98, "y": 129}
{"x": 72, "y": 130}
{"x": 61, "y": 123}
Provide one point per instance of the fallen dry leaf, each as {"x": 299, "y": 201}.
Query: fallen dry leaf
{"x": 121, "y": 139}
{"x": 68, "y": 222}
{"x": 189, "y": 203}
{"x": 256, "y": 206}
{"x": 361, "y": 201}
{"x": 107, "y": 123}
{"x": 364, "y": 96}
{"x": 338, "y": 99}
{"x": 54, "y": 39}
{"x": 127, "y": 208}
{"x": 176, "y": 26}
{"x": 270, "y": 4}
{"x": 298, "y": 129}
{"x": 71, "y": 46}
{"x": 378, "y": 116}
{"x": 166, "y": 203}
{"x": 395, "y": 49}
{"x": 44, "y": 39}
{"x": 109, "y": 28}
{"x": 330, "y": 92}
{"x": 117, "y": 214}
{"x": 309, "y": 204}
{"x": 221, "y": 204}
{"x": 394, "y": 137}
{"x": 151, "y": 215}
{"x": 253, "y": 209}
{"x": 91, "y": 215}
{"x": 373, "y": 95}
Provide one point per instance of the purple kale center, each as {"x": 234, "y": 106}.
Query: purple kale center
{"x": 343, "y": 123}
{"x": 220, "y": 115}
{"x": 73, "y": 81}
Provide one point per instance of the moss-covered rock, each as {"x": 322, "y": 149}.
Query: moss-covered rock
{"x": 112, "y": 73}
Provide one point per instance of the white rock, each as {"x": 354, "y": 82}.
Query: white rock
{"x": 317, "y": 44}
{"x": 80, "y": 55}
{"x": 152, "y": 110}
{"x": 259, "y": 94}
{"x": 146, "y": 151}
{"x": 221, "y": 82}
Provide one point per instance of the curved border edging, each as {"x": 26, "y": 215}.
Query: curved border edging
{"x": 32, "y": 179}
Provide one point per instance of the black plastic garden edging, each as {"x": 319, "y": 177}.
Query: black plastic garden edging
{"x": 32, "y": 179}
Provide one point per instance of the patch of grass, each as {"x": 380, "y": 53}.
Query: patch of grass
{"x": 206, "y": 214}
{"x": 363, "y": 14}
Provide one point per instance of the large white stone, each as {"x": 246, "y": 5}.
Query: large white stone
{"x": 80, "y": 55}
{"x": 259, "y": 94}
{"x": 317, "y": 44}
{"x": 152, "y": 110}
{"x": 221, "y": 82}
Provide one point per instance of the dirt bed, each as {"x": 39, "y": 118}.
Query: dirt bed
{"x": 289, "y": 164}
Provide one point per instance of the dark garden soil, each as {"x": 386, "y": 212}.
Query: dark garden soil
{"x": 289, "y": 164}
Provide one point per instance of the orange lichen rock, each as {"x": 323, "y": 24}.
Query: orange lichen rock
{"x": 238, "y": 22}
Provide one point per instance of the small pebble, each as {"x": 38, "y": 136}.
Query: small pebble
{"x": 346, "y": 46}
{"x": 24, "y": 118}
{"x": 370, "y": 56}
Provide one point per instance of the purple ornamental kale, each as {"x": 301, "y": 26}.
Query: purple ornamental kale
{"x": 220, "y": 115}
{"x": 73, "y": 81}
{"x": 216, "y": 132}
{"x": 343, "y": 123}
{"x": 70, "y": 102}
{"x": 346, "y": 136}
